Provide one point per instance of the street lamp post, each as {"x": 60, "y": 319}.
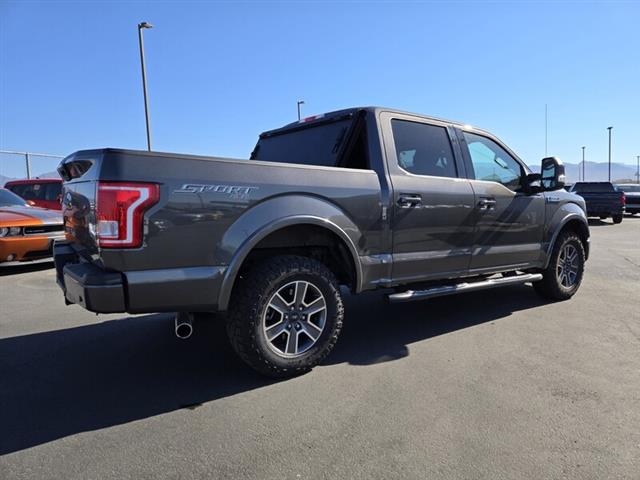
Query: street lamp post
{"x": 298, "y": 103}
{"x": 638, "y": 169}
{"x": 142, "y": 26}
{"x": 583, "y": 177}
{"x": 609, "y": 128}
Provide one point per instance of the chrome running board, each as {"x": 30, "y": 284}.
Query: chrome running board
{"x": 411, "y": 295}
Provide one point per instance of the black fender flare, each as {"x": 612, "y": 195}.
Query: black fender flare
{"x": 273, "y": 216}
{"x": 560, "y": 225}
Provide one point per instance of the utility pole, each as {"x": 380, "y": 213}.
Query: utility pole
{"x": 638, "y": 169}
{"x": 609, "y": 128}
{"x": 298, "y": 103}
{"x": 583, "y": 177}
{"x": 142, "y": 26}
{"x": 28, "y": 160}
{"x": 546, "y": 128}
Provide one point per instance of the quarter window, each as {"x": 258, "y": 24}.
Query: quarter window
{"x": 423, "y": 149}
{"x": 492, "y": 163}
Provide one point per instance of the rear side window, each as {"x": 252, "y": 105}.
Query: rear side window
{"x": 313, "y": 145}
{"x": 423, "y": 149}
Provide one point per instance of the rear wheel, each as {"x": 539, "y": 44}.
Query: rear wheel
{"x": 617, "y": 218}
{"x": 285, "y": 315}
{"x": 562, "y": 277}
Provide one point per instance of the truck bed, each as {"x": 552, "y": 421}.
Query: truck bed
{"x": 196, "y": 205}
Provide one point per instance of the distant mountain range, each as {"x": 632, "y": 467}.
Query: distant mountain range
{"x": 594, "y": 172}
{"x": 598, "y": 172}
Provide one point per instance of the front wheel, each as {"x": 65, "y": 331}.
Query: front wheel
{"x": 562, "y": 277}
{"x": 285, "y": 315}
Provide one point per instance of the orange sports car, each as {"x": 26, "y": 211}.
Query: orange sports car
{"x": 26, "y": 232}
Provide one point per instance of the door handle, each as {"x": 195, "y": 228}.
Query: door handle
{"x": 409, "y": 200}
{"x": 487, "y": 203}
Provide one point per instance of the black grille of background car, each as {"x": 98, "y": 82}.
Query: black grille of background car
{"x": 42, "y": 229}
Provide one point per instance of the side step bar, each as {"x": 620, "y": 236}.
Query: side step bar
{"x": 411, "y": 295}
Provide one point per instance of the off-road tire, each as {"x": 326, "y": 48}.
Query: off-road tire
{"x": 550, "y": 286}
{"x": 250, "y": 298}
{"x": 617, "y": 218}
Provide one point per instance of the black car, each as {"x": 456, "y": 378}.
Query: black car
{"x": 632, "y": 196}
{"x": 603, "y": 199}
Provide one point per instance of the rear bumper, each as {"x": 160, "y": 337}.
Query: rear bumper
{"x": 145, "y": 291}
{"x": 86, "y": 284}
{"x": 596, "y": 211}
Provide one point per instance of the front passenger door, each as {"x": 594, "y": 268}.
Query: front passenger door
{"x": 509, "y": 220}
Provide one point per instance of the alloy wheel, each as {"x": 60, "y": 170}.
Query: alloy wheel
{"x": 294, "y": 319}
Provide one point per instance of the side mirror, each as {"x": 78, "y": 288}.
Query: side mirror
{"x": 553, "y": 177}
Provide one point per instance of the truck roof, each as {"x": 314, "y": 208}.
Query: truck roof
{"x": 332, "y": 116}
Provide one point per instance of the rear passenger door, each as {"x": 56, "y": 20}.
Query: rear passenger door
{"x": 432, "y": 210}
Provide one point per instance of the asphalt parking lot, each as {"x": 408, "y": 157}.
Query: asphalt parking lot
{"x": 495, "y": 385}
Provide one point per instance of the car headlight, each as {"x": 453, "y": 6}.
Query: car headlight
{"x": 10, "y": 231}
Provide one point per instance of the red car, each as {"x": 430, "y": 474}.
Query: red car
{"x": 40, "y": 192}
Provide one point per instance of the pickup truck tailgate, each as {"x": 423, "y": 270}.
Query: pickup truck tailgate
{"x": 79, "y": 199}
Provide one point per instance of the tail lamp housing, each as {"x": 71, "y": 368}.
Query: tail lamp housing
{"x": 120, "y": 208}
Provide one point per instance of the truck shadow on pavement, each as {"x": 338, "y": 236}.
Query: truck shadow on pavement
{"x": 63, "y": 382}
{"x": 376, "y": 331}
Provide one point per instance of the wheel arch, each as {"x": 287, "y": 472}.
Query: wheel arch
{"x": 327, "y": 219}
{"x": 573, "y": 222}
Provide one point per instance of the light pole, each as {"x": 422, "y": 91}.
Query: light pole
{"x": 583, "y": 177}
{"x": 609, "y": 128}
{"x": 142, "y": 26}
{"x": 638, "y": 168}
{"x": 298, "y": 103}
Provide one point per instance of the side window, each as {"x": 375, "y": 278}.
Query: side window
{"x": 27, "y": 192}
{"x": 53, "y": 191}
{"x": 423, "y": 149}
{"x": 17, "y": 189}
{"x": 492, "y": 163}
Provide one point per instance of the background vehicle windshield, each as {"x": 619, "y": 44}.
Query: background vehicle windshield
{"x": 48, "y": 191}
{"x": 629, "y": 188}
{"x": 594, "y": 187}
{"x": 8, "y": 199}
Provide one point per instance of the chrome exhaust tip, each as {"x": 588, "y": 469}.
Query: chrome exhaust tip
{"x": 183, "y": 325}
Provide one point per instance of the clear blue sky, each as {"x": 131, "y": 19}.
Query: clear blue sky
{"x": 221, "y": 72}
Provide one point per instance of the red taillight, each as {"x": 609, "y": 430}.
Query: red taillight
{"x": 624, "y": 199}
{"x": 119, "y": 212}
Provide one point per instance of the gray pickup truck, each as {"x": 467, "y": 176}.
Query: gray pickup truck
{"x": 358, "y": 199}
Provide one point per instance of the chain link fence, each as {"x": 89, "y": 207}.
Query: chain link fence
{"x": 18, "y": 165}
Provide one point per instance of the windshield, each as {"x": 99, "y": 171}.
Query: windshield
{"x": 9, "y": 199}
